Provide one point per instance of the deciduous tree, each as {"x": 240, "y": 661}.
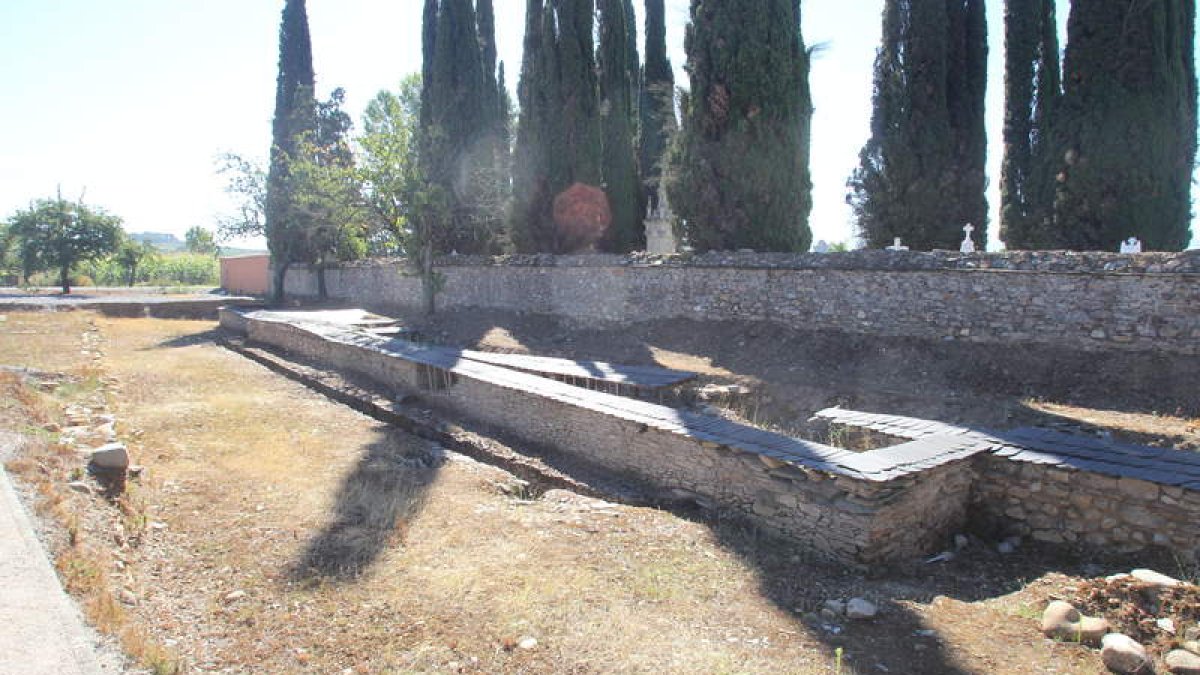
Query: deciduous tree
{"x": 58, "y": 234}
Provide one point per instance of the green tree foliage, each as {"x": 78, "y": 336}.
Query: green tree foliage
{"x": 1127, "y": 126}
{"x": 460, "y": 128}
{"x": 199, "y": 240}
{"x": 621, "y": 184}
{"x": 132, "y": 255}
{"x": 246, "y": 183}
{"x": 531, "y": 223}
{"x": 295, "y": 117}
{"x": 1032, "y": 96}
{"x": 405, "y": 208}
{"x": 738, "y": 176}
{"x": 921, "y": 175}
{"x": 58, "y": 234}
{"x": 326, "y": 191}
{"x": 656, "y": 108}
{"x": 579, "y": 139}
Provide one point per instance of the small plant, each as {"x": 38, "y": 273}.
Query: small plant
{"x": 837, "y": 666}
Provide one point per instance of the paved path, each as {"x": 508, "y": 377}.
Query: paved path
{"x": 41, "y": 631}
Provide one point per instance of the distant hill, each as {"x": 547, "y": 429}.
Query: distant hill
{"x": 163, "y": 241}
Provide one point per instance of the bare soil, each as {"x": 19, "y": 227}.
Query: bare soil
{"x": 274, "y": 531}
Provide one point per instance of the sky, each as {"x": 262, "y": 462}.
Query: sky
{"x": 130, "y": 102}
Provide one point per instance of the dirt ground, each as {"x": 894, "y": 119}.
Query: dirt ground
{"x": 274, "y": 531}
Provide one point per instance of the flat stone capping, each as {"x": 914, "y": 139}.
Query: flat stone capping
{"x": 1187, "y": 262}
{"x": 878, "y": 465}
{"x": 1043, "y": 446}
{"x": 159, "y": 306}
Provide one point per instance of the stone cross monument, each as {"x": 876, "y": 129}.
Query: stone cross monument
{"x": 660, "y": 238}
{"x": 968, "y": 245}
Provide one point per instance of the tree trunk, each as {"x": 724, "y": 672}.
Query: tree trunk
{"x": 322, "y": 290}
{"x": 64, "y": 278}
{"x": 428, "y": 281}
{"x": 132, "y": 275}
{"x": 280, "y": 272}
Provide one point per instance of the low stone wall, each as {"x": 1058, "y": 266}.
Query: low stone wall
{"x": 1090, "y": 301}
{"x": 883, "y": 505}
{"x": 1062, "y": 505}
{"x": 838, "y": 510}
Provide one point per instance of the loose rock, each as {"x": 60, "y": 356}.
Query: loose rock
{"x": 1122, "y": 654}
{"x": 861, "y": 609}
{"x": 1062, "y": 621}
{"x": 1192, "y": 646}
{"x": 1183, "y": 662}
{"x": 527, "y": 643}
{"x": 836, "y": 607}
{"x": 233, "y": 597}
{"x": 80, "y": 487}
{"x": 111, "y": 457}
{"x": 1154, "y": 578}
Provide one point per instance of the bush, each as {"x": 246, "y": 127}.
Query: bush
{"x": 172, "y": 269}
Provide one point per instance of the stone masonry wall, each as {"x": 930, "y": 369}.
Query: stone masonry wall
{"x": 850, "y": 519}
{"x": 1094, "y": 301}
{"x": 1064, "y": 505}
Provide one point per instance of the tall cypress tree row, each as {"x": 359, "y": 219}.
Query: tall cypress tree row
{"x": 633, "y": 61}
{"x": 626, "y": 232}
{"x": 1032, "y": 95}
{"x": 429, "y": 24}
{"x": 530, "y": 222}
{"x": 738, "y": 177}
{"x": 921, "y": 174}
{"x": 579, "y": 139}
{"x": 656, "y": 109}
{"x": 1127, "y": 125}
{"x": 295, "y": 115}
{"x": 459, "y": 131}
{"x": 486, "y": 17}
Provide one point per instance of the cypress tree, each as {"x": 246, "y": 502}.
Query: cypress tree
{"x": 1032, "y": 95}
{"x": 530, "y": 222}
{"x": 738, "y": 174}
{"x": 486, "y": 17}
{"x": 921, "y": 174}
{"x": 429, "y": 24}
{"x": 1127, "y": 127}
{"x": 578, "y": 100}
{"x": 620, "y": 170}
{"x": 295, "y": 116}
{"x": 633, "y": 62}
{"x": 656, "y": 109}
{"x": 458, "y": 135}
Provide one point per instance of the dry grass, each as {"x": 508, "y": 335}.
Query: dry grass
{"x": 277, "y": 532}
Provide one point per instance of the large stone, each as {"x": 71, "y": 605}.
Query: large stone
{"x": 1183, "y": 662}
{"x": 110, "y": 457}
{"x": 861, "y": 609}
{"x": 1122, "y": 654}
{"x": 1154, "y": 578}
{"x": 1062, "y": 621}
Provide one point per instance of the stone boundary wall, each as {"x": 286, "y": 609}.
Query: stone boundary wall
{"x": 1068, "y": 489}
{"x": 1086, "y": 301}
{"x": 1063, "y": 505}
{"x": 840, "y": 513}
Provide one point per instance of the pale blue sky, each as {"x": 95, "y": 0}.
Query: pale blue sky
{"x": 132, "y": 100}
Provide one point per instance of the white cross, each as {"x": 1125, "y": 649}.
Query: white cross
{"x": 897, "y": 246}
{"x": 968, "y": 245}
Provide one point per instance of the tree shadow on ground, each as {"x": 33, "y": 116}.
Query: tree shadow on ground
{"x": 208, "y": 337}
{"x": 373, "y": 507}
